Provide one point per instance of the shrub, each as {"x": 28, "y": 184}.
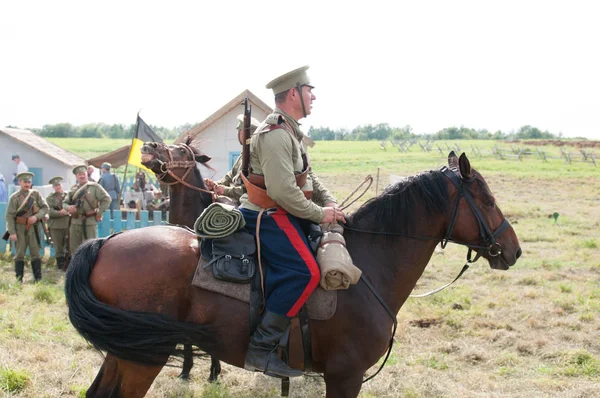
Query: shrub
{"x": 13, "y": 381}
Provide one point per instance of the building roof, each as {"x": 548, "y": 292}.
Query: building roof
{"x": 116, "y": 158}
{"x": 42, "y": 145}
{"x": 235, "y": 102}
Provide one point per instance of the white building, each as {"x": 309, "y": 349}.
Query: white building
{"x": 217, "y": 137}
{"x": 44, "y": 159}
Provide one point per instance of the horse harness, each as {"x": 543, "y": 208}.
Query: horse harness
{"x": 490, "y": 245}
{"x": 166, "y": 168}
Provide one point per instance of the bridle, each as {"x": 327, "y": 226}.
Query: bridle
{"x": 166, "y": 168}
{"x": 489, "y": 245}
{"x": 488, "y": 238}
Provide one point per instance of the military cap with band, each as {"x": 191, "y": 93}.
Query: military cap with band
{"x": 296, "y": 78}
{"x": 25, "y": 176}
{"x": 55, "y": 181}
{"x": 106, "y": 165}
{"x": 253, "y": 123}
{"x": 82, "y": 168}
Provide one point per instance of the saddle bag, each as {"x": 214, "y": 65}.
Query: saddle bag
{"x": 233, "y": 258}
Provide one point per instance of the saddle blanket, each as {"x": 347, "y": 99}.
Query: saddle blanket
{"x": 321, "y": 305}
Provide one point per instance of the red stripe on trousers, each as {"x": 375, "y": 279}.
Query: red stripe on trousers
{"x": 280, "y": 217}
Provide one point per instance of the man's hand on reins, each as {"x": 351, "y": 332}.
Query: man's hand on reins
{"x": 333, "y": 214}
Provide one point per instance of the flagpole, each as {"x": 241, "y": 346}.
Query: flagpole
{"x": 130, "y": 149}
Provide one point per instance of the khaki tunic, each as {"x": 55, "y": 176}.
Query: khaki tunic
{"x": 277, "y": 154}
{"x": 234, "y": 186}
{"x": 57, "y": 224}
{"x": 95, "y": 199}
{"x": 26, "y": 237}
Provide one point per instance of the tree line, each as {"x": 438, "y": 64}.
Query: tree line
{"x": 102, "y": 130}
{"x": 384, "y": 131}
{"x": 381, "y": 131}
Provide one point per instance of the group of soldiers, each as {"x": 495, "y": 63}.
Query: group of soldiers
{"x": 72, "y": 218}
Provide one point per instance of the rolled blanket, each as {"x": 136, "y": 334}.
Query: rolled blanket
{"x": 337, "y": 269}
{"x": 218, "y": 221}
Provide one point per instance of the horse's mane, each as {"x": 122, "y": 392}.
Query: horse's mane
{"x": 394, "y": 209}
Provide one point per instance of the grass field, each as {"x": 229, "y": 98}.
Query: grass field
{"x": 531, "y": 331}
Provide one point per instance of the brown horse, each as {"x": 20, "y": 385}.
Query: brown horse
{"x": 175, "y": 165}
{"x": 138, "y": 308}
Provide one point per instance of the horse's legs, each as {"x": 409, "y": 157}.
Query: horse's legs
{"x": 136, "y": 379}
{"x": 106, "y": 381}
{"x": 342, "y": 385}
{"x": 118, "y": 378}
{"x": 215, "y": 369}
{"x": 188, "y": 362}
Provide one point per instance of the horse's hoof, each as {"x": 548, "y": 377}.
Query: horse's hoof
{"x": 184, "y": 376}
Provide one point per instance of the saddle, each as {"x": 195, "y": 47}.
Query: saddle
{"x": 229, "y": 266}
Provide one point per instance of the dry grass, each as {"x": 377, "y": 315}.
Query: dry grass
{"x": 531, "y": 331}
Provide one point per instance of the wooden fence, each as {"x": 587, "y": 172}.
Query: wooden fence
{"x": 122, "y": 220}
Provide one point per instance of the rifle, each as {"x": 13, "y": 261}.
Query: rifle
{"x": 246, "y": 144}
{"x": 47, "y": 232}
{"x": 68, "y": 245}
{"x": 78, "y": 199}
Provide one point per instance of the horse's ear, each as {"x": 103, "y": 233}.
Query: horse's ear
{"x": 202, "y": 158}
{"x": 464, "y": 166}
{"x": 452, "y": 161}
{"x": 188, "y": 140}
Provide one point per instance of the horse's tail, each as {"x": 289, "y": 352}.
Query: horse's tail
{"x": 142, "y": 337}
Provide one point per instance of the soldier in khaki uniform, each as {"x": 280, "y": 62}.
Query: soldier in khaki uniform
{"x": 231, "y": 185}
{"x": 85, "y": 202}
{"x": 25, "y": 210}
{"x": 280, "y": 181}
{"x": 58, "y": 223}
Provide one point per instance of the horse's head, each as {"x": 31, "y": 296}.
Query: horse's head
{"x": 477, "y": 221}
{"x": 170, "y": 162}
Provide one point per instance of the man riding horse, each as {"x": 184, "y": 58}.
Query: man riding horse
{"x": 282, "y": 196}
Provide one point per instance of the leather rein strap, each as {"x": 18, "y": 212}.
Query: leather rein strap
{"x": 167, "y": 169}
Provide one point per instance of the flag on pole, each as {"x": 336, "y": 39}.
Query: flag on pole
{"x": 143, "y": 133}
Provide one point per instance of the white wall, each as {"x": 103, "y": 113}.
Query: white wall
{"x": 32, "y": 158}
{"x": 219, "y": 139}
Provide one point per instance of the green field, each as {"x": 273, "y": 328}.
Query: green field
{"x": 531, "y": 331}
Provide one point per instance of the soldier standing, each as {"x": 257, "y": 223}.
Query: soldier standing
{"x": 25, "y": 210}
{"x": 231, "y": 185}
{"x": 111, "y": 184}
{"x": 58, "y": 223}
{"x": 86, "y": 202}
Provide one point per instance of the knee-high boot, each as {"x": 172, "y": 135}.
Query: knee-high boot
{"x": 19, "y": 267}
{"x": 262, "y": 350}
{"x": 60, "y": 262}
{"x": 36, "y": 266}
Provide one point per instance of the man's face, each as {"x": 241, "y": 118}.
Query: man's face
{"x": 105, "y": 171}
{"x": 308, "y": 97}
{"x": 82, "y": 177}
{"x": 25, "y": 185}
{"x": 57, "y": 188}
{"x": 16, "y": 160}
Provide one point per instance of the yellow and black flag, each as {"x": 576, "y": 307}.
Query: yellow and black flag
{"x": 143, "y": 133}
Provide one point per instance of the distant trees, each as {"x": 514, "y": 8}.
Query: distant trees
{"x": 383, "y": 131}
{"x": 102, "y": 130}
{"x": 380, "y": 132}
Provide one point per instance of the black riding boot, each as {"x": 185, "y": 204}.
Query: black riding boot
{"x": 262, "y": 350}
{"x": 36, "y": 266}
{"x": 19, "y": 267}
{"x": 60, "y": 262}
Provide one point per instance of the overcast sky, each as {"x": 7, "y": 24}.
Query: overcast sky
{"x": 497, "y": 65}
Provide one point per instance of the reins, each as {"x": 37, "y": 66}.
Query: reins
{"x": 166, "y": 168}
{"x": 494, "y": 248}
